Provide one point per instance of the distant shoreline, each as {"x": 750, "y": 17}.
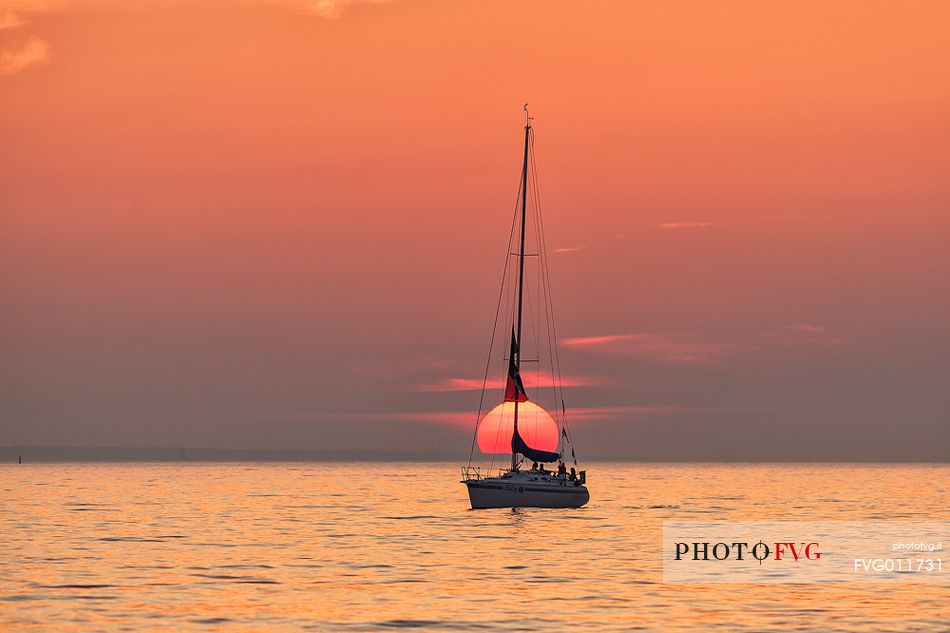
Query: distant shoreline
{"x": 118, "y": 454}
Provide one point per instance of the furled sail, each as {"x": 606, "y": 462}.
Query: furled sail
{"x": 518, "y": 445}
{"x": 514, "y": 388}
{"x": 515, "y": 392}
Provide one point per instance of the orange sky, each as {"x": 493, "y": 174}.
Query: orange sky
{"x": 226, "y": 223}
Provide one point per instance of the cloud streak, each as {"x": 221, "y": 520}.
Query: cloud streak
{"x": 596, "y": 414}
{"x": 24, "y": 50}
{"x": 33, "y": 51}
{"x": 689, "y": 350}
{"x": 684, "y": 225}
{"x": 652, "y": 346}
{"x": 808, "y": 335}
{"x": 455, "y": 418}
{"x": 10, "y": 20}
{"x": 530, "y": 380}
{"x": 569, "y": 249}
{"x": 581, "y": 415}
{"x": 333, "y": 9}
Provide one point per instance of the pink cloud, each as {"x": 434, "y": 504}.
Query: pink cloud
{"x": 595, "y": 414}
{"x": 530, "y": 380}
{"x": 24, "y": 50}
{"x": 33, "y": 51}
{"x": 10, "y": 20}
{"x": 575, "y": 416}
{"x": 807, "y": 328}
{"x": 684, "y": 225}
{"x": 662, "y": 348}
{"x": 569, "y": 249}
{"x": 332, "y": 9}
{"x": 436, "y": 417}
{"x": 808, "y": 335}
{"x": 600, "y": 413}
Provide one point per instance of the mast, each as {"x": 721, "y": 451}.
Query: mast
{"x": 524, "y": 209}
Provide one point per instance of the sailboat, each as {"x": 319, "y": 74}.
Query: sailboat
{"x": 518, "y": 417}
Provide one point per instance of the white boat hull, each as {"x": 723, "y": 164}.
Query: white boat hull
{"x": 506, "y": 492}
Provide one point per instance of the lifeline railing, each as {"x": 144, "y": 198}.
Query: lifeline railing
{"x": 471, "y": 472}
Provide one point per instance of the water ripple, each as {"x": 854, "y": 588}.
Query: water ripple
{"x": 290, "y": 547}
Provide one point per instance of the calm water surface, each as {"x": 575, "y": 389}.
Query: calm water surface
{"x": 357, "y": 547}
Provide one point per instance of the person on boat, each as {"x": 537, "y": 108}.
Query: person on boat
{"x": 541, "y": 469}
{"x": 562, "y": 473}
{"x": 534, "y": 466}
{"x": 573, "y": 475}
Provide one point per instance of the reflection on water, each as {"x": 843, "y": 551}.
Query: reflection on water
{"x": 331, "y": 547}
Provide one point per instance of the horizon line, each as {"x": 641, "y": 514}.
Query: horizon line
{"x": 171, "y": 454}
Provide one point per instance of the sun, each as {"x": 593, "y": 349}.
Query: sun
{"x": 536, "y": 425}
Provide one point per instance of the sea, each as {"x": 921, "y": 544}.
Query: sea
{"x": 388, "y": 546}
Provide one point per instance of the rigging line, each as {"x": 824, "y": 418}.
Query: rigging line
{"x": 531, "y": 430}
{"x": 544, "y": 282}
{"x": 550, "y": 351}
{"x": 541, "y": 281}
{"x": 542, "y": 273}
{"x": 501, "y": 293}
{"x": 542, "y": 243}
{"x": 532, "y": 323}
{"x": 559, "y": 384}
{"x": 534, "y": 319}
{"x": 544, "y": 289}
{"x": 543, "y": 295}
